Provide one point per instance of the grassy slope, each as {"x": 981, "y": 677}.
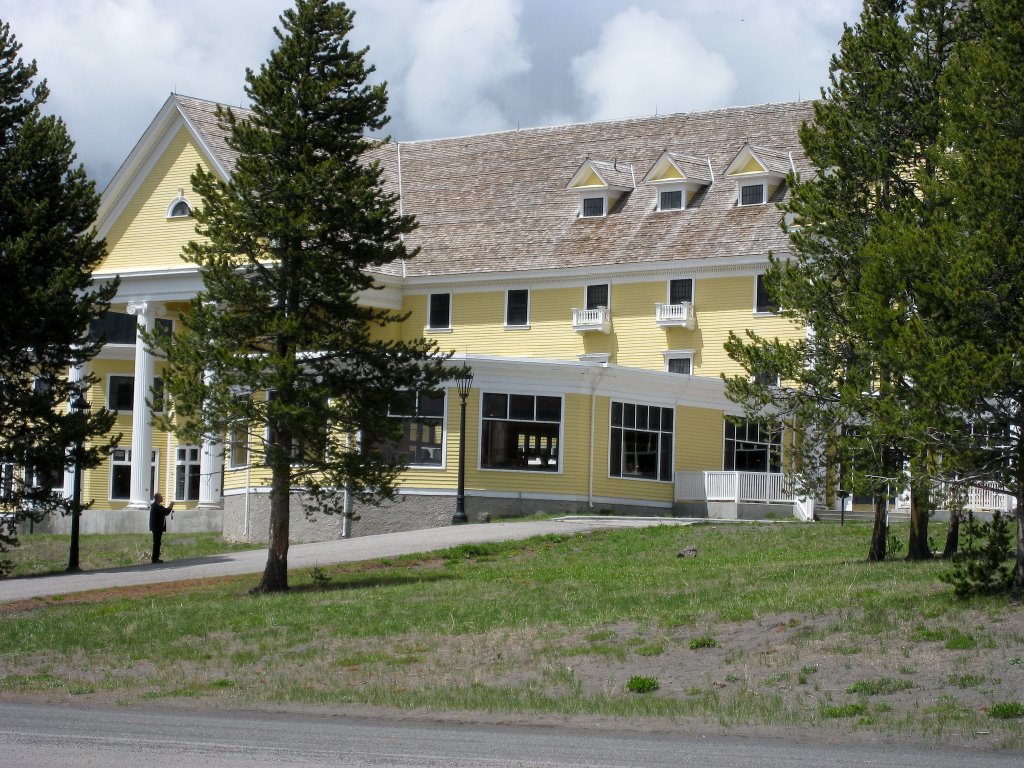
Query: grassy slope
{"x": 460, "y": 629}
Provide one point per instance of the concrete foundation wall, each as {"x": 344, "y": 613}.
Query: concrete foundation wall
{"x": 128, "y": 521}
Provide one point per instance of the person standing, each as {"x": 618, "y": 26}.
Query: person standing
{"x": 158, "y": 523}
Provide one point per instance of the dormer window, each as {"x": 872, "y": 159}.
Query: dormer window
{"x": 751, "y": 194}
{"x": 593, "y": 206}
{"x": 601, "y": 184}
{"x": 678, "y": 179}
{"x": 180, "y": 207}
{"x": 759, "y": 173}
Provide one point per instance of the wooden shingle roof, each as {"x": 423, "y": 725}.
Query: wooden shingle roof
{"x": 498, "y": 202}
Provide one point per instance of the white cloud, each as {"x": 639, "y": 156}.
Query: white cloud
{"x": 645, "y": 62}
{"x": 463, "y": 53}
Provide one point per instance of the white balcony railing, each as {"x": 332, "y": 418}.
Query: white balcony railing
{"x": 586, "y": 320}
{"x": 757, "y": 487}
{"x": 674, "y": 314}
{"x": 979, "y": 499}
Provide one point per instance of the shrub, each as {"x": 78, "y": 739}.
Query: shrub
{"x": 986, "y": 565}
{"x": 843, "y": 710}
{"x": 1006, "y": 710}
{"x": 704, "y": 641}
{"x": 642, "y": 684}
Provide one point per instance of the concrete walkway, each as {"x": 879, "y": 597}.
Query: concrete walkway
{"x": 309, "y": 555}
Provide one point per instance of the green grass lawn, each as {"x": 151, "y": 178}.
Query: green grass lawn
{"x": 42, "y": 553}
{"x": 770, "y": 625}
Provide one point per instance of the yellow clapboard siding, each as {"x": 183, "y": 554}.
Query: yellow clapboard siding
{"x": 143, "y": 238}
{"x": 699, "y": 439}
{"x": 727, "y": 304}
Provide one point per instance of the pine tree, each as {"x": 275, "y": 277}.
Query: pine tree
{"x": 279, "y": 336}
{"x": 48, "y": 252}
{"x": 969, "y": 354}
{"x": 871, "y": 138}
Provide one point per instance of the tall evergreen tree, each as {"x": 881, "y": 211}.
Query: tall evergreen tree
{"x": 279, "y": 337}
{"x": 48, "y": 252}
{"x": 871, "y": 139}
{"x": 966, "y": 351}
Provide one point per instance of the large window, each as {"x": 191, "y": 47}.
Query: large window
{"x": 440, "y": 315}
{"x": 517, "y": 307}
{"x": 750, "y": 447}
{"x": 186, "y": 473}
{"x": 121, "y": 473}
{"x": 114, "y": 327}
{"x": 521, "y": 432}
{"x": 641, "y": 442}
{"x": 422, "y": 440}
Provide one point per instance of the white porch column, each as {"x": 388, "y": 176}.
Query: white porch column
{"x": 211, "y": 464}
{"x": 142, "y": 417}
{"x": 75, "y": 374}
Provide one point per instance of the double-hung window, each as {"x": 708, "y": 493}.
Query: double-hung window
{"x": 121, "y": 473}
{"x": 597, "y": 295}
{"x": 641, "y": 442}
{"x": 186, "y": 473}
{"x": 440, "y": 312}
{"x": 593, "y": 207}
{"x": 517, "y": 308}
{"x": 670, "y": 200}
{"x": 121, "y": 393}
{"x": 763, "y": 301}
{"x": 680, "y": 291}
{"x": 521, "y": 432}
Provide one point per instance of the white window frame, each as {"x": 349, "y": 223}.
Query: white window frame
{"x": 668, "y": 289}
{"x": 560, "y": 453}
{"x": 430, "y": 301}
{"x": 671, "y": 188}
{"x": 245, "y": 448}
{"x": 603, "y": 197}
{"x": 586, "y": 288}
{"x": 154, "y": 480}
{"x": 529, "y": 300}
{"x": 174, "y": 203}
{"x": 444, "y": 431}
{"x": 761, "y": 181}
{"x": 678, "y": 354}
{"x": 185, "y": 465}
{"x": 672, "y": 441}
{"x": 759, "y": 278}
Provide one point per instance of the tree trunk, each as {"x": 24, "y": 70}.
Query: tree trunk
{"x": 275, "y": 575}
{"x": 952, "y": 536}
{"x": 880, "y": 532}
{"x": 917, "y": 545}
{"x": 1017, "y": 585}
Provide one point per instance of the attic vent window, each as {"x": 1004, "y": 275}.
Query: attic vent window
{"x": 179, "y": 207}
{"x": 601, "y": 184}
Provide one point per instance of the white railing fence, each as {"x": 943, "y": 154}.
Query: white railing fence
{"x": 758, "y": 487}
{"x": 674, "y": 314}
{"x": 591, "y": 319}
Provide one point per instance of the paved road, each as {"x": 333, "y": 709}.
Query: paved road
{"x": 309, "y": 555}
{"x": 70, "y": 737}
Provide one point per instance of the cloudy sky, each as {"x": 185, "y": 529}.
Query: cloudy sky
{"x": 453, "y": 67}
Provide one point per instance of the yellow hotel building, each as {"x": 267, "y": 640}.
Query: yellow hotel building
{"x": 588, "y": 274}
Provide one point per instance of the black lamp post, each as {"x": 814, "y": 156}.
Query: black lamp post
{"x": 463, "y": 383}
{"x": 78, "y": 405}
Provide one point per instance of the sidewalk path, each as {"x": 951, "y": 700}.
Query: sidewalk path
{"x": 309, "y": 555}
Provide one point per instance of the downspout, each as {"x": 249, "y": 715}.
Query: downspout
{"x": 593, "y": 411}
{"x": 248, "y": 487}
{"x": 168, "y": 477}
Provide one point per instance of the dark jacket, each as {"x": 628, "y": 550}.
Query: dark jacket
{"x": 158, "y": 517}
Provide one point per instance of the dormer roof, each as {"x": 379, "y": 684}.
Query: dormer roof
{"x": 603, "y": 175}
{"x": 676, "y": 168}
{"x": 753, "y": 160}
